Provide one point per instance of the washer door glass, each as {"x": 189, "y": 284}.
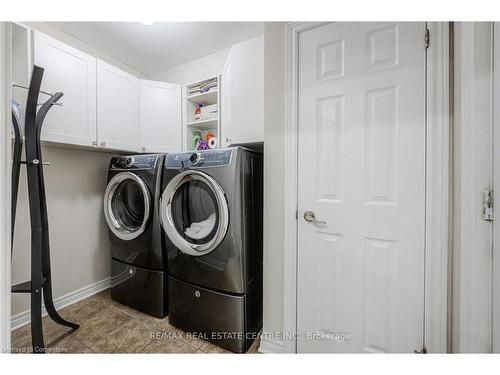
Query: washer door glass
{"x": 194, "y": 212}
{"x": 127, "y": 205}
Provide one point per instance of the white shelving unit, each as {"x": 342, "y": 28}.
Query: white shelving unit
{"x": 209, "y": 97}
{"x": 204, "y": 125}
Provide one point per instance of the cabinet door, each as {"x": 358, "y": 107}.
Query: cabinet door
{"x": 225, "y": 95}
{"x": 117, "y": 108}
{"x": 247, "y": 87}
{"x": 160, "y": 116}
{"x": 74, "y": 74}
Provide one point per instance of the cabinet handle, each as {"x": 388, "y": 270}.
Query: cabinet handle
{"x": 103, "y": 144}
{"x": 94, "y": 143}
{"x": 143, "y": 148}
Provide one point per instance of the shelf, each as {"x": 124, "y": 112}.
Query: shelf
{"x": 203, "y": 124}
{"x": 25, "y": 287}
{"x": 205, "y": 98}
{"x": 191, "y": 101}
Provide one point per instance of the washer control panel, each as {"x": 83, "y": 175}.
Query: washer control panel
{"x": 199, "y": 159}
{"x": 134, "y": 162}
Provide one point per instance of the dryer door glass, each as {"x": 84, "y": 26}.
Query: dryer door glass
{"x": 127, "y": 205}
{"x": 194, "y": 212}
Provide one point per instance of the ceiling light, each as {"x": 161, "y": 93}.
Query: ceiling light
{"x": 147, "y": 23}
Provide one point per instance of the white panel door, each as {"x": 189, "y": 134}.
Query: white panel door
{"x": 160, "y": 116}
{"x": 74, "y": 74}
{"x": 117, "y": 108}
{"x": 226, "y": 103}
{"x": 361, "y": 168}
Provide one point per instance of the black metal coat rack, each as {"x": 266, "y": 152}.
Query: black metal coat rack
{"x": 41, "y": 281}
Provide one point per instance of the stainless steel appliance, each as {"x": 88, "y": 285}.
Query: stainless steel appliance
{"x": 138, "y": 266}
{"x": 211, "y": 213}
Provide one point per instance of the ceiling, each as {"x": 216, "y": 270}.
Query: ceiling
{"x": 162, "y": 45}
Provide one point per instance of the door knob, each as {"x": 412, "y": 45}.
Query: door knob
{"x": 310, "y": 217}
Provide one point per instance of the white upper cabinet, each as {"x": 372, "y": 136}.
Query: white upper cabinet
{"x": 225, "y": 95}
{"x": 117, "y": 108}
{"x": 160, "y": 116}
{"x": 73, "y": 73}
{"x": 242, "y": 93}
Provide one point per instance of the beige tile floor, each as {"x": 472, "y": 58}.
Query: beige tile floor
{"x": 107, "y": 326}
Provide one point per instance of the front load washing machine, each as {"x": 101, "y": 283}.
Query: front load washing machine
{"x": 211, "y": 213}
{"x": 138, "y": 265}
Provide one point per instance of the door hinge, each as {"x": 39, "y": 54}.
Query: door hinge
{"x": 296, "y": 215}
{"x": 421, "y": 351}
{"x": 488, "y": 205}
{"x": 427, "y": 38}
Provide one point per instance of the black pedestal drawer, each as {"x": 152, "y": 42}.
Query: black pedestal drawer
{"x": 229, "y": 321}
{"x": 141, "y": 289}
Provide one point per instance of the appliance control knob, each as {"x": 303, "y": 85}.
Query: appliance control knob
{"x": 130, "y": 161}
{"x": 194, "y": 158}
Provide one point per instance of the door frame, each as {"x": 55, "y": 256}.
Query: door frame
{"x": 438, "y": 168}
{"x": 473, "y": 257}
{"x": 496, "y": 189}
{"x": 5, "y": 184}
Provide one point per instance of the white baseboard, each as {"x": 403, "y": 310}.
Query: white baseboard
{"x": 23, "y": 318}
{"x": 270, "y": 346}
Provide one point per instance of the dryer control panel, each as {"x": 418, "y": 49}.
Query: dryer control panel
{"x": 134, "y": 162}
{"x": 199, "y": 159}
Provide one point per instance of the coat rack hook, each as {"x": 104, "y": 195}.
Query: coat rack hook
{"x": 59, "y": 104}
{"x": 27, "y": 88}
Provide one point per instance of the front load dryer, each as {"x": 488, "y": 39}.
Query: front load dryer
{"x": 138, "y": 265}
{"x": 211, "y": 213}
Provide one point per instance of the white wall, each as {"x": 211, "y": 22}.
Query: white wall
{"x": 75, "y": 184}
{"x": 274, "y": 157}
{"x": 5, "y": 168}
{"x": 192, "y": 71}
